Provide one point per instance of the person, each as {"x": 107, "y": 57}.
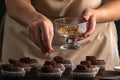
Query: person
{"x": 29, "y": 30}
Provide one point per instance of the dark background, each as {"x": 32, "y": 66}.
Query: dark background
{"x": 3, "y": 9}
{"x": 118, "y": 31}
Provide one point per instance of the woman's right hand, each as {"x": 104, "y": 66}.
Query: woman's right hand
{"x": 40, "y": 27}
{"x": 41, "y": 33}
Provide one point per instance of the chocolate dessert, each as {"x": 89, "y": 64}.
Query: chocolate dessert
{"x": 28, "y": 60}
{"x": 10, "y": 70}
{"x": 87, "y": 62}
{"x": 68, "y": 67}
{"x": 83, "y": 72}
{"x": 58, "y": 59}
{"x": 83, "y": 68}
{"x": 20, "y": 64}
{"x": 48, "y": 72}
{"x": 91, "y": 58}
{"x": 97, "y": 62}
{"x": 12, "y": 61}
{"x": 49, "y": 69}
{"x": 67, "y": 64}
{"x": 101, "y": 64}
{"x": 53, "y": 63}
{"x": 6, "y": 67}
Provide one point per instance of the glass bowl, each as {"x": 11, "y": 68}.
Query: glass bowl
{"x": 69, "y": 28}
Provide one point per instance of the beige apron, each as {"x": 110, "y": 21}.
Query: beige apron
{"x": 102, "y": 43}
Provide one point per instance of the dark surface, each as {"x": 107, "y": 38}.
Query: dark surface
{"x": 2, "y": 12}
{"x": 33, "y": 75}
{"x": 2, "y": 9}
{"x": 118, "y": 31}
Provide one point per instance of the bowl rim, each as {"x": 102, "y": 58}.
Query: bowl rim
{"x": 80, "y": 20}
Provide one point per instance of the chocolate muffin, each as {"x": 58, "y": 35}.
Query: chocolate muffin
{"x": 17, "y": 63}
{"x": 48, "y": 72}
{"x": 98, "y": 62}
{"x": 91, "y": 58}
{"x": 83, "y": 68}
{"x": 87, "y": 62}
{"x": 28, "y": 60}
{"x": 68, "y": 67}
{"x": 21, "y": 65}
{"x": 83, "y": 72}
{"x": 10, "y": 70}
{"x": 54, "y": 64}
{"x": 61, "y": 66}
{"x": 12, "y": 61}
{"x": 6, "y": 67}
{"x": 49, "y": 69}
{"x": 24, "y": 60}
{"x": 67, "y": 64}
{"x": 58, "y": 59}
{"x": 33, "y": 61}
{"x": 101, "y": 64}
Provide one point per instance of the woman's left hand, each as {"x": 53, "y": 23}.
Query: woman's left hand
{"x": 89, "y": 16}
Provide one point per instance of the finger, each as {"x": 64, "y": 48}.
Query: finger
{"x": 46, "y": 42}
{"x": 91, "y": 26}
{"x": 41, "y": 29}
{"x": 39, "y": 37}
{"x": 51, "y": 39}
{"x": 41, "y": 45}
{"x": 51, "y": 34}
{"x": 86, "y": 14}
{"x": 79, "y": 38}
{"x": 46, "y": 37}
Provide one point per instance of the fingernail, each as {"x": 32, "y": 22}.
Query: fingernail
{"x": 85, "y": 18}
{"x": 52, "y": 49}
{"x": 86, "y": 35}
{"x": 46, "y": 54}
{"x": 75, "y": 38}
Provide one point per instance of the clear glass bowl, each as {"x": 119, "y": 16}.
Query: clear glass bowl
{"x": 69, "y": 28}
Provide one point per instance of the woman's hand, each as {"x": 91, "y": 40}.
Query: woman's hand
{"x": 40, "y": 28}
{"x": 88, "y": 15}
{"x": 41, "y": 33}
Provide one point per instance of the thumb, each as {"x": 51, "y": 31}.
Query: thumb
{"x": 91, "y": 25}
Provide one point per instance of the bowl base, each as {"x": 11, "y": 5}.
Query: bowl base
{"x": 73, "y": 47}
